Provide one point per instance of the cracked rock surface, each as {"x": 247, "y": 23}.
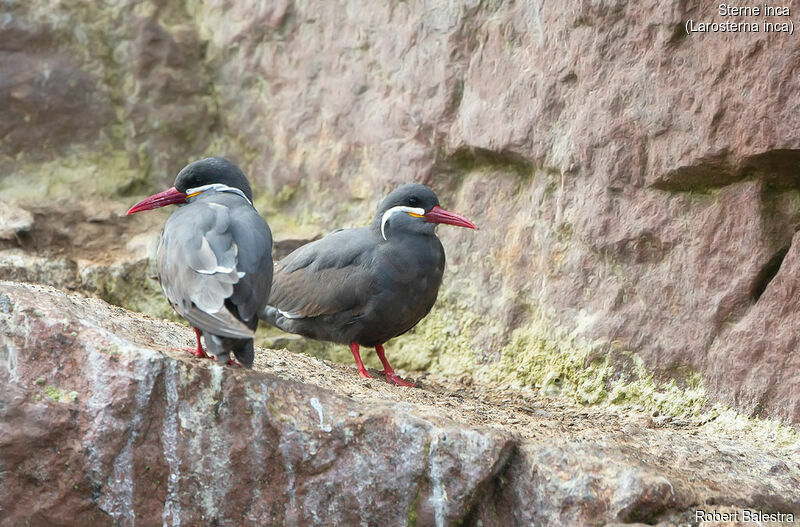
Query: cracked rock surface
{"x": 104, "y": 422}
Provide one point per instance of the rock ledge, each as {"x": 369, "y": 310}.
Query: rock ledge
{"x": 103, "y": 423}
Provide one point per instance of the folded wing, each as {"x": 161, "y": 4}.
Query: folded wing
{"x": 203, "y": 273}
{"x": 326, "y": 277}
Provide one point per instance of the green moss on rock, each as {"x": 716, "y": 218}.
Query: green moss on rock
{"x": 100, "y": 173}
{"x": 442, "y": 342}
{"x": 60, "y": 396}
{"x": 557, "y": 366}
{"x": 541, "y": 356}
{"x": 130, "y": 286}
{"x": 722, "y": 421}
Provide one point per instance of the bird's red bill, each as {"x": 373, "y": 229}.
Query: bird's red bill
{"x": 439, "y": 215}
{"x": 162, "y": 199}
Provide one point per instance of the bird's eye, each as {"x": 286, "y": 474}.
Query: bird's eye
{"x": 413, "y": 201}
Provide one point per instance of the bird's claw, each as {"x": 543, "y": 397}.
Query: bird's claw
{"x": 392, "y": 378}
{"x": 230, "y": 361}
{"x": 364, "y": 374}
{"x": 200, "y": 353}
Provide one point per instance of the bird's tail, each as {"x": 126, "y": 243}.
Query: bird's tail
{"x": 221, "y": 347}
{"x": 245, "y": 353}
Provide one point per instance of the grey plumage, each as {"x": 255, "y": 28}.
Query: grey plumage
{"x": 215, "y": 256}
{"x": 213, "y": 269}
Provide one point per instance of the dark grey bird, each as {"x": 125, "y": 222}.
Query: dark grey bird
{"x": 365, "y": 286}
{"x": 215, "y": 256}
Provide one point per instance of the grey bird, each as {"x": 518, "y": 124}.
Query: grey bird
{"x": 215, "y": 256}
{"x": 367, "y": 285}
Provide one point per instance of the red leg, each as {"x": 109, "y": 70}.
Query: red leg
{"x": 232, "y": 362}
{"x": 361, "y": 369}
{"x": 391, "y": 376}
{"x": 200, "y": 353}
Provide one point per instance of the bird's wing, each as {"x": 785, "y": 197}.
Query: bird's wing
{"x": 325, "y": 277}
{"x": 254, "y": 239}
{"x": 198, "y": 268}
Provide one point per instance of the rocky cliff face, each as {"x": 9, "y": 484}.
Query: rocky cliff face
{"x": 103, "y": 422}
{"x": 636, "y": 187}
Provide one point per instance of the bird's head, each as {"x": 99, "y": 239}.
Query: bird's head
{"x": 415, "y": 208}
{"x": 213, "y": 173}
